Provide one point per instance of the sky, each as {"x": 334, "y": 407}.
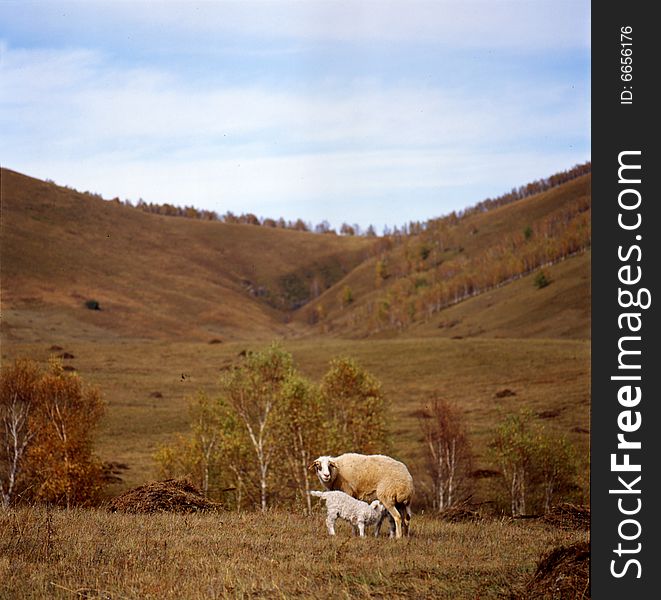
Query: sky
{"x": 368, "y": 112}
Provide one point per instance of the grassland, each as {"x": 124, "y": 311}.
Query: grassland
{"x": 96, "y": 554}
{"x": 168, "y": 287}
{"x": 547, "y": 376}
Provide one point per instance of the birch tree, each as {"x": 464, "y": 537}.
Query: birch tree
{"x": 303, "y": 431}
{"x": 63, "y": 466}
{"x": 254, "y": 391}
{"x": 357, "y": 406}
{"x": 535, "y": 463}
{"x": 513, "y": 447}
{"x": 555, "y": 466}
{"x": 447, "y": 451}
{"x": 17, "y": 401}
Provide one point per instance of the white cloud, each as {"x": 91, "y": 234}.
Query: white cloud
{"x": 93, "y": 104}
{"x": 134, "y": 129}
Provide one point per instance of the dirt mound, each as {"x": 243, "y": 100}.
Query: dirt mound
{"x": 462, "y": 513}
{"x": 564, "y": 572}
{"x": 568, "y": 516}
{"x": 170, "y": 495}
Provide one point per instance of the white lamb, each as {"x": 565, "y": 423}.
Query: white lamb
{"x": 369, "y": 477}
{"x": 358, "y": 513}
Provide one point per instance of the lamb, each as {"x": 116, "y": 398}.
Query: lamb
{"x": 358, "y": 513}
{"x": 370, "y": 477}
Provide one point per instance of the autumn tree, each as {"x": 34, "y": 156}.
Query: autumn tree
{"x": 513, "y": 448}
{"x": 381, "y": 271}
{"x": 447, "y": 451}
{"x": 197, "y": 454}
{"x": 303, "y": 431}
{"x": 18, "y": 391}
{"x": 346, "y": 229}
{"x": 530, "y": 457}
{"x": 254, "y": 391}
{"x": 346, "y": 296}
{"x": 555, "y": 466}
{"x": 62, "y": 463}
{"x": 48, "y": 421}
{"x": 213, "y": 453}
{"x": 357, "y": 406}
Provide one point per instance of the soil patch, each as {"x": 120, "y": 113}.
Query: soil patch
{"x": 569, "y": 516}
{"x": 564, "y": 572}
{"x": 170, "y": 495}
{"x": 460, "y": 514}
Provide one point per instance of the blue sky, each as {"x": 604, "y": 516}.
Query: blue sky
{"x": 365, "y": 112}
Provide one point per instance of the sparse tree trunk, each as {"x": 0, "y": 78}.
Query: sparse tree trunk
{"x": 263, "y": 457}
{"x": 17, "y": 440}
{"x": 447, "y": 451}
{"x": 451, "y": 459}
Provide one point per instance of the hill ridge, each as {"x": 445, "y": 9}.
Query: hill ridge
{"x": 191, "y": 278}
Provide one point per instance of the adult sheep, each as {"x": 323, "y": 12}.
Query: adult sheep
{"x": 370, "y": 477}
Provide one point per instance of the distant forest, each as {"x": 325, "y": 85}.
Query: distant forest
{"x": 412, "y": 228}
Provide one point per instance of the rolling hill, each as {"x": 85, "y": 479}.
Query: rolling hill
{"x": 164, "y": 277}
{"x": 456, "y": 268}
{"x": 153, "y": 276}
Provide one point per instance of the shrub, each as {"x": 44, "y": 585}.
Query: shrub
{"x": 346, "y": 296}
{"x": 92, "y": 304}
{"x": 541, "y": 280}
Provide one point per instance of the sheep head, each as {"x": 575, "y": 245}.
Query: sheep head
{"x": 377, "y": 507}
{"x": 325, "y": 468}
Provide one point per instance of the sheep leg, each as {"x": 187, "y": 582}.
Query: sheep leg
{"x": 405, "y": 510}
{"x": 361, "y": 529}
{"x": 407, "y": 519}
{"x": 377, "y": 527}
{"x": 330, "y": 523}
{"x": 396, "y": 517}
{"x": 391, "y": 525}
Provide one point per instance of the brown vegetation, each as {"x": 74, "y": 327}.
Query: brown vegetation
{"x": 99, "y": 554}
{"x": 569, "y": 516}
{"x": 193, "y": 280}
{"x": 454, "y": 258}
{"x": 47, "y": 421}
{"x": 563, "y": 572}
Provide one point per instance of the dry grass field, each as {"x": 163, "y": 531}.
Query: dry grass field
{"x": 97, "y": 554}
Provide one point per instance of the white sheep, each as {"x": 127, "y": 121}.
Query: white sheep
{"x": 370, "y": 477}
{"x": 358, "y": 513}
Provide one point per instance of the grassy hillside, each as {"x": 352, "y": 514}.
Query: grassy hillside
{"x": 157, "y": 276}
{"x": 153, "y": 276}
{"x": 522, "y": 310}
{"x": 415, "y": 278}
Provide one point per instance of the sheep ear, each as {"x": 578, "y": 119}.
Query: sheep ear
{"x": 332, "y": 464}
{"x": 314, "y": 466}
